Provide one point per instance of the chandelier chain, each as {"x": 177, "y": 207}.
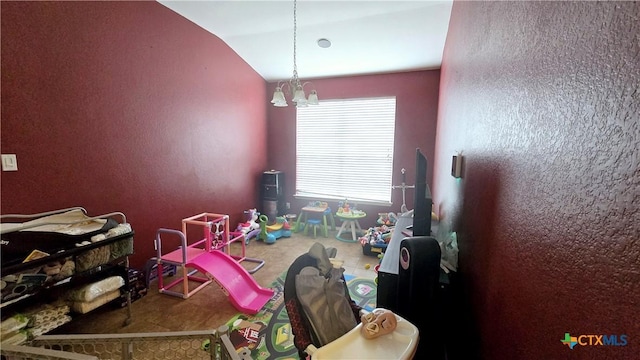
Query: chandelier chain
{"x": 294, "y": 85}
{"x": 295, "y": 28}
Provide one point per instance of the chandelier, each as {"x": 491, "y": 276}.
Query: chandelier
{"x": 294, "y": 85}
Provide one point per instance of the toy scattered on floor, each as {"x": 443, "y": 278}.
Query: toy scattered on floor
{"x": 379, "y": 235}
{"x": 367, "y": 266}
{"x": 250, "y": 228}
{"x": 376, "y": 268}
{"x": 206, "y": 345}
{"x": 291, "y": 219}
{"x": 388, "y": 219}
{"x": 375, "y": 240}
{"x": 270, "y": 233}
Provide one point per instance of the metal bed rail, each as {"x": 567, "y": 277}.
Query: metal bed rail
{"x": 202, "y": 344}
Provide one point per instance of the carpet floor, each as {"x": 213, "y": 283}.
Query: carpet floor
{"x": 267, "y": 335}
{"x": 209, "y": 308}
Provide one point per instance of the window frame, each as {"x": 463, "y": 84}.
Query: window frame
{"x": 342, "y": 117}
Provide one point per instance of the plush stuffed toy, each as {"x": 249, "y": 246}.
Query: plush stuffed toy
{"x": 377, "y": 323}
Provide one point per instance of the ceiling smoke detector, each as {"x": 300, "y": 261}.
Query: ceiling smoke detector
{"x": 324, "y": 43}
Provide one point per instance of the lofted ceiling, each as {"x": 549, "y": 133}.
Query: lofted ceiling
{"x": 367, "y": 37}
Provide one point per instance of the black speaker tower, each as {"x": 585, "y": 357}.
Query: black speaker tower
{"x": 272, "y": 193}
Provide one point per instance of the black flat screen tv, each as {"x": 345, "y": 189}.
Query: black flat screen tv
{"x": 422, "y": 198}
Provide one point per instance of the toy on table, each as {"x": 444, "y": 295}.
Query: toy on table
{"x": 377, "y": 323}
{"x": 270, "y": 233}
{"x": 318, "y": 204}
{"x": 346, "y": 209}
{"x": 349, "y": 215}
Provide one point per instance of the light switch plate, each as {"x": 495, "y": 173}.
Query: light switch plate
{"x": 456, "y": 166}
{"x": 9, "y": 162}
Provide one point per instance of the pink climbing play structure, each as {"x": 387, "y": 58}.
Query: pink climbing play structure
{"x": 209, "y": 259}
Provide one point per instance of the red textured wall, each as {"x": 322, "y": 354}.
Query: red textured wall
{"x": 416, "y": 115}
{"x": 543, "y": 99}
{"x": 126, "y": 106}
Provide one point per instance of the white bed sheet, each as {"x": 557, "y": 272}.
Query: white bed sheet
{"x": 73, "y": 222}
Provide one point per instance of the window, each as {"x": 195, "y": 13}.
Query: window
{"x": 344, "y": 150}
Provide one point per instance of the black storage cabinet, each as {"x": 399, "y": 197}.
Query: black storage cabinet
{"x": 272, "y": 193}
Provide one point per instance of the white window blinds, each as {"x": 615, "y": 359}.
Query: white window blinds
{"x": 344, "y": 150}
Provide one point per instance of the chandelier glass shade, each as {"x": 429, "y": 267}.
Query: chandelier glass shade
{"x": 294, "y": 86}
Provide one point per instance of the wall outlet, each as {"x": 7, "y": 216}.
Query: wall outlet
{"x": 288, "y": 206}
{"x": 9, "y": 162}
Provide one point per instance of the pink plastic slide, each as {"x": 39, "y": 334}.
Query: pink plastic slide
{"x": 244, "y": 292}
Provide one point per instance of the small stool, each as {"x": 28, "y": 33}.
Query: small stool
{"x": 315, "y": 223}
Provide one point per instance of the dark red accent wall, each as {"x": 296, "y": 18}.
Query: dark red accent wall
{"x": 416, "y": 115}
{"x": 127, "y": 106}
{"x": 543, "y": 99}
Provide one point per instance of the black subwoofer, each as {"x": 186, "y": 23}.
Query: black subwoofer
{"x": 418, "y": 292}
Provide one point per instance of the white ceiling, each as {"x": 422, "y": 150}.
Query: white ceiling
{"x": 367, "y": 37}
